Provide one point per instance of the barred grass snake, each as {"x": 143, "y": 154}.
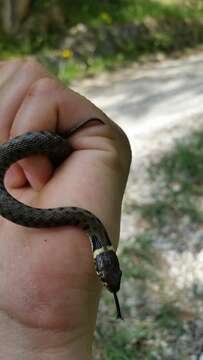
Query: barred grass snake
{"x": 56, "y": 147}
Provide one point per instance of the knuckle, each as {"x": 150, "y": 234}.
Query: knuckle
{"x": 32, "y": 65}
{"x": 43, "y": 86}
{"x": 119, "y": 153}
{"x": 122, "y": 146}
{"x": 124, "y": 139}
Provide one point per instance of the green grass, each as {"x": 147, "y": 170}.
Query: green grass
{"x": 140, "y": 10}
{"x": 137, "y": 10}
{"x": 137, "y": 337}
{"x": 108, "y": 12}
{"x": 125, "y": 343}
{"x": 181, "y": 176}
{"x": 139, "y": 340}
{"x": 148, "y": 333}
{"x": 71, "y": 69}
{"x": 169, "y": 317}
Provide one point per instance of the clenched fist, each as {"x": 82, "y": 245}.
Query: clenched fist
{"x": 49, "y": 290}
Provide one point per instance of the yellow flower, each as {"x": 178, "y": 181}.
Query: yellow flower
{"x": 67, "y": 53}
{"x": 106, "y": 18}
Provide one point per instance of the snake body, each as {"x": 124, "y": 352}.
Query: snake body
{"x": 56, "y": 147}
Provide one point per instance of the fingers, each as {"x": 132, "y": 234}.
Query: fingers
{"x": 16, "y": 78}
{"x": 48, "y": 106}
{"x": 32, "y": 100}
{"x": 38, "y": 111}
{"x": 58, "y": 108}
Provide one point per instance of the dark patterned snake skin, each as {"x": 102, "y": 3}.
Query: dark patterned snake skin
{"x": 56, "y": 147}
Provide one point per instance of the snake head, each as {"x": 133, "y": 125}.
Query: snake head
{"x": 108, "y": 270}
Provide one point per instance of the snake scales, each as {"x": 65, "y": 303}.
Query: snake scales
{"x": 56, "y": 147}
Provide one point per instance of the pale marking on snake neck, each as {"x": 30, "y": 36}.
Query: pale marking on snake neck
{"x": 102, "y": 250}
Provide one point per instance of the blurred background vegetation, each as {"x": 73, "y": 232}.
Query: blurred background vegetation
{"x": 82, "y": 38}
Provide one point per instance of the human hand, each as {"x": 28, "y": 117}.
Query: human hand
{"x": 49, "y": 291}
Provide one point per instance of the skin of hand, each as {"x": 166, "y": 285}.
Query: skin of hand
{"x": 49, "y": 291}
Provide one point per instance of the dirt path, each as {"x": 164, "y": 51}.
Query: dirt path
{"x": 146, "y": 99}
{"x": 156, "y": 104}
